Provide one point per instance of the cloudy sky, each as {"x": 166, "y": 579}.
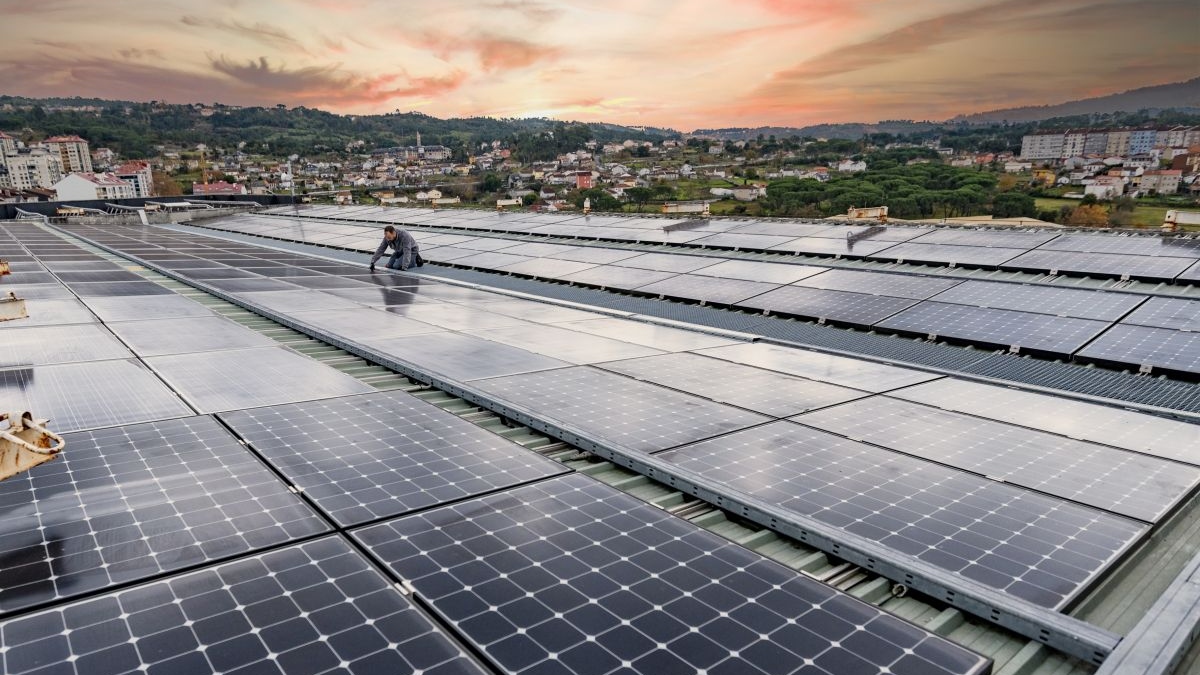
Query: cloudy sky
{"x": 678, "y": 63}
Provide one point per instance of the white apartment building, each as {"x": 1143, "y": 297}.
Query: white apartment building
{"x": 138, "y": 175}
{"x": 1074, "y": 143}
{"x": 85, "y": 186}
{"x": 1042, "y": 146}
{"x": 73, "y": 151}
{"x": 28, "y": 169}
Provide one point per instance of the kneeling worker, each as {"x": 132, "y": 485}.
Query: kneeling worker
{"x": 405, "y": 252}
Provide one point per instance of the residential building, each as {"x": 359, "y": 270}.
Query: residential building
{"x": 851, "y": 166}
{"x": 1163, "y": 182}
{"x": 1106, "y": 187}
{"x": 137, "y": 174}
{"x": 1096, "y": 143}
{"x": 1118, "y": 143}
{"x": 89, "y": 186}
{"x": 1041, "y": 146}
{"x": 716, "y": 149}
{"x": 1141, "y": 141}
{"x": 1017, "y": 167}
{"x": 73, "y": 151}
{"x": 31, "y": 168}
{"x": 1073, "y": 144}
{"x": 218, "y": 188}
{"x": 8, "y": 146}
{"x": 583, "y": 180}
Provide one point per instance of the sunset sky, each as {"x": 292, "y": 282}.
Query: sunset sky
{"x": 678, "y": 63}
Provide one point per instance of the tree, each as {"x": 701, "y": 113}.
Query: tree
{"x": 1014, "y": 205}
{"x": 529, "y": 199}
{"x": 639, "y": 196}
{"x": 491, "y": 183}
{"x": 165, "y": 186}
{"x": 1089, "y": 215}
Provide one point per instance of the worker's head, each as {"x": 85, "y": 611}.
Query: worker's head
{"x": 389, "y": 233}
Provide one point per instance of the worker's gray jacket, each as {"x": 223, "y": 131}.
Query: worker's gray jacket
{"x": 402, "y": 243}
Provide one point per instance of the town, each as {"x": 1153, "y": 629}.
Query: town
{"x": 1082, "y": 176}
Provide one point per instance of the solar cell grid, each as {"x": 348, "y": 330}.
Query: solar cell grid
{"x": 131, "y": 502}
{"x": 547, "y": 268}
{"x": 878, "y": 283}
{"x": 1072, "y": 302}
{"x": 962, "y": 255}
{"x": 560, "y": 342}
{"x": 361, "y": 458}
{"x": 832, "y": 246}
{"x": 762, "y": 391}
{"x": 1140, "y": 432}
{"x": 618, "y": 410}
{"x": 305, "y": 609}
{"x": 1103, "y": 264}
{"x": 1031, "y": 546}
{"x": 569, "y": 575}
{"x": 50, "y": 312}
{"x": 1001, "y": 327}
{"x": 855, "y": 308}
{"x": 246, "y": 378}
{"x": 751, "y": 270}
{"x": 651, "y": 335}
{"x": 669, "y": 262}
{"x": 464, "y": 357}
{"x": 1130, "y": 484}
{"x": 1126, "y": 245}
{"x": 1175, "y": 313}
{"x": 708, "y": 289}
{"x": 743, "y": 241}
{"x": 156, "y": 337}
{"x": 1141, "y": 345}
{"x": 47, "y": 345}
{"x": 131, "y": 308}
{"x": 613, "y": 276}
{"x": 840, "y": 370}
{"x": 967, "y": 237}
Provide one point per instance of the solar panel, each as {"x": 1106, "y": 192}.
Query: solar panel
{"x": 450, "y": 293}
{"x": 541, "y": 312}
{"x": 21, "y": 278}
{"x": 840, "y": 370}
{"x": 464, "y": 357}
{"x": 650, "y": 335}
{"x": 708, "y": 289}
{"x": 560, "y": 342}
{"x": 456, "y": 317}
{"x": 743, "y": 241}
{"x": 1123, "y": 244}
{"x": 48, "y": 345}
{"x": 364, "y": 323}
{"x": 102, "y": 289}
{"x": 207, "y": 273}
{"x": 1175, "y": 313}
{"x": 131, "y": 308}
{"x": 126, "y": 503}
{"x": 325, "y": 282}
{"x": 488, "y": 244}
{"x": 50, "y": 312}
{"x": 910, "y": 286}
{"x": 1118, "y": 427}
{"x": 669, "y": 262}
{"x": 246, "y": 378}
{"x": 855, "y": 308}
{"x": 308, "y": 608}
{"x": 1190, "y": 274}
{"x": 1143, "y": 346}
{"x": 1123, "y": 482}
{"x": 1031, "y": 546}
{"x": 157, "y": 337}
{"x": 618, "y": 410}
{"x": 613, "y": 276}
{"x": 42, "y": 292}
{"x": 535, "y": 249}
{"x": 962, "y": 255}
{"x": 250, "y": 285}
{"x": 752, "y": 270}
{"x": 762, "y": 391}
{"x": 379, "y": 296}
{"x": 596, "y": 254}
{"x": 972, "y": 237}
{"x": 361, "y": 458}
{"x": 491, "y": 260}
{"x": 547, "y": 268}
{"x": 108, "y": 275}
{"x": 1072, "y": 302}
{"x": 1000, "y": 327}
{"x": 88, "y": 395}
{"x": 570, "y": 575}
{"x": 1103, "y": 264}
{"x": 289, "y": 302}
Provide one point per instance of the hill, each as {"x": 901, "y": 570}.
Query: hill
{"x": 850, "y": 131}
{"x": 1178, "y": 96}
{"x": 133, "y": 129}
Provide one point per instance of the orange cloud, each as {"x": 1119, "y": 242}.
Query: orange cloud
{"x": 330, "y": 85}
{"x": 495, "y": 53}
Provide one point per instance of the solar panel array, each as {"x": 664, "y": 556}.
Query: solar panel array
{"x": 1034, "y": 318}
{"x": 307, "y": 526}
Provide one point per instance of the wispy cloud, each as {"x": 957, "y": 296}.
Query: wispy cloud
{"x": 266, "y": 34}
{"x": 494, "y": 52}
{"x": 331, "y": 85}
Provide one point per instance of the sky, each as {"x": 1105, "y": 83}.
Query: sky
{"x": 683, "y": 64}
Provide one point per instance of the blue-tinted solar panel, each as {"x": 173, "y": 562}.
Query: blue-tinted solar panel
{"x": 361, "y": 458}
{"x": 126, "y": 503}
{"x": 617, "y": 409}
{"x": 47, "y": 345}
{"x": 310, "y": 608}
{"x": 1032, "y": 546}
{"x": 940, "y": 253}
{"x": 840, "y": 370}
{"x": 1175, "y": 313}
{"x": 572, "y": 576}
{"x": 1126, "y": 245}
{"x": 1123, "y": 482}
{"x": 708, "y": 289}
{"x": 911, "y": 286}
{"x": 1073, "y": 302}
{"x": 1000, "y": 327}
{"x": 854, "y": 308}
{"x": 972, "y": 237}
{"x": 1112, "y": 265}
{"x": 1158, "y": 348}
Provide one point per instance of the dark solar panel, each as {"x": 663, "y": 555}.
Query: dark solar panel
{"x": 762, "y": 391}
{"x": 87, "y": 395}
{"x": 571, "y": 576}
{"x": 563, "y": 343}
{"x": 48, "y": 345}
{"x": 1191, "y": 274}
{"x": 547, "y": 268}
{"x": 973, "y": 237}
{"x": 102, "y": 289}
{"x": 856, "y": 308}
{"x": 669, "y": 262}
{"x": 288, "y": 302}
{"x": 1143, "y": 346}
{"x": 361, "y": 458}
{"x": 129, "y": 502}
{"x": 108, "y": 275}
{"x": 364, "y": 323}
{"x": 218, "y": 273}
{"x": 962, "y": 255}
{"x": 1103, "y": 264}
{"x": 765, "y": 272}
{"x": 157, "y": 337}
{"x": 130, "y": 308}
{"x": 618, "y": 410}
{"x": 50, "y": 312}
{"x": 250, "y": 285}
{"x": 840, "y": 370}
{"x": 879, "y": 283}
{"x": 1123, "y": 482}
{"x": 310, "y": 608}
{"x": 246, "y": 378}
{"x": 1072, "y": 302}
{"x": 613, "y": 276}
{"x": 650, "y": 335}
{"x": 1175, "y": 313}
{"x": 1118, "y": 427}
{"x": 1031, "y": 546}
{"x": 1000, "y": 327}
{"x": 1127, "y": 245}
{"x": 21, "y": 278}
{"x": 743, "y": 241}
{"x": 708, "y": 289}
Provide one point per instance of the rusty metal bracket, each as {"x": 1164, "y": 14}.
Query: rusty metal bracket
{"x": 26, "y": 443}
{"x": 12, "y": 307}
{"x": 5, "y": 268}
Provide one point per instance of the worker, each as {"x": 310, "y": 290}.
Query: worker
{"x": 405, "y": 252}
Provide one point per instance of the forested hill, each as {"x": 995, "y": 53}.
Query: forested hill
{"x": 133, "y": 129}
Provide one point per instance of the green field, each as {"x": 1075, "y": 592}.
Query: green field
{"x": 1143, "y": 216}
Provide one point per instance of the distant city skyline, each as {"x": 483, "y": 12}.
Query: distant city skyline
{"x": 675, "y": 63}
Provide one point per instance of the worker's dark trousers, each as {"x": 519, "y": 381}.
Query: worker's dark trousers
{"x": 402, "y": 259}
